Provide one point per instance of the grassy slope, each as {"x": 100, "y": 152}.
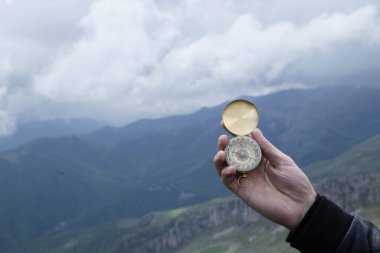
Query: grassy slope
{"x": 372, "y": 213}
{"x": 227, "y": 237}
{"x": 265, "y": 237}
{"x": 259, "y": 236}
{"x": 362, "y": 159}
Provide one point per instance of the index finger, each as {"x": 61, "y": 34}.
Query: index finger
{"x": 272, "y": 153}
{"x": 222, "y": 142}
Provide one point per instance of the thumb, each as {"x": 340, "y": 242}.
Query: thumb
{"x": 273, "y": 154}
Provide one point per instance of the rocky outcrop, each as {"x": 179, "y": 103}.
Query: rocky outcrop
{"x": 181, "y": 229}
{"x": 351, "y": 193}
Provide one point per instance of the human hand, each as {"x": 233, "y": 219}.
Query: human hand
{"x": 277, "y": 188}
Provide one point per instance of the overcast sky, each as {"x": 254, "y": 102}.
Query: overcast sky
{"x": 119, "y": 61}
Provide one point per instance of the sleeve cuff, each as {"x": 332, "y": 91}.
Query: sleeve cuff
{"x": 322, "y": 229}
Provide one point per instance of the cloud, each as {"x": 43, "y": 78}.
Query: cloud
{"x": 140, "y": 58}
{"x": 7, "y": 124}
{"x": 31, "y": 35}
{"x": 122, "y": 60}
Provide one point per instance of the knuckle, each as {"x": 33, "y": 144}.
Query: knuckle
{"x": 286, "y": 158}
{"x": 219, "y": 157}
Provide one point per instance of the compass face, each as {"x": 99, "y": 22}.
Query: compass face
{"x": 243, "y": 152}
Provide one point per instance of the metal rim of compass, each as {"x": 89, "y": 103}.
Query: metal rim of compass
{"x": 256, "y": 147}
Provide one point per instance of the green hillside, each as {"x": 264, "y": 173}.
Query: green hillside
{"x": 256, "y": 237}
{"x": 224, "y": 224}
{"x": 198, "y": 224}
{"x": 150, "y": 233}
{"x": 362, "y": 159}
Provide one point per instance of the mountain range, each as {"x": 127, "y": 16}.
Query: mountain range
{"x": 72, "y": 183}
{"x": 229, "y": 224}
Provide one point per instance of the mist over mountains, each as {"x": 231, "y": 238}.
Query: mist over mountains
{"x": 73, "y": 182}
{"x": 29, "y": 131}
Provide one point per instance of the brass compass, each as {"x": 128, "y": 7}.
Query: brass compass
{"x": 240, "y": 117}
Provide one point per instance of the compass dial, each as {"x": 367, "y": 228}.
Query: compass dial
{"x": 243, "y": 152}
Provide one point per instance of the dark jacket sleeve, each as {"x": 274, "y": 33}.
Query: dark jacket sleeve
{"x": 327, "y": 228}
{"x": 362, "y": 236}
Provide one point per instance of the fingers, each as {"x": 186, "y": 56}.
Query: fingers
{"x": 273, "y": 154}
{"x": 220, "y": 161}
{"x": 222, "y": 142}
{"x": 228, "y": 178}
{"x": 227, "y": 173}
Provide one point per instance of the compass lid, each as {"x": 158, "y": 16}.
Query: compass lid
{"x": 240, "y": 117}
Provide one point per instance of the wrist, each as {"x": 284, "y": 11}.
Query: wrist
{"x": 315, "y": 232}
{"x": 304, "y": 209}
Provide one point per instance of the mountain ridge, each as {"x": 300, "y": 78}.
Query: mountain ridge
{"x": 80, "y": 180}
{"x": 32, "y": 130}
